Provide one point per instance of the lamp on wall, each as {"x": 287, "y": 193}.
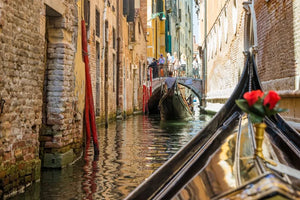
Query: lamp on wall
{"x": 162, "y": 16}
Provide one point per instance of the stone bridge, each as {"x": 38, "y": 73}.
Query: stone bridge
{"x": 194, "y": 84}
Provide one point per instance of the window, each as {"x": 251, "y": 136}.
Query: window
{"x": 125, "y": 7}
{"x": 131, "y": 14}
{"x": 234, "y": 17}
{"x": 114, "y": 38}
{"x": 87, "y": 14}
{"x": 140, "y": 73}
{"x": 97, "y": 23}
{"x": 179, "y": 15}
{"x": 139, "y": 28}
{"x": 114, "y": 72}
{"x": 225, "y": 26}
{"x": 159, "y": 6}
{"x": 220, "y": 34}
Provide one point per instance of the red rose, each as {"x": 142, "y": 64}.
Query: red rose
{"x": 271, "y": 99}
{"x": 252, "y": 96}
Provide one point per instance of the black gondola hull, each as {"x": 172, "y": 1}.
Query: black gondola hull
{"x": 173, "y": 106}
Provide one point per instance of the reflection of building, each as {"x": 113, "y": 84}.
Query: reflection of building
{"x": 278, "y": 47}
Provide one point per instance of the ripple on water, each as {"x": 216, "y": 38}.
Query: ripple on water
{"x": 130, "y": 151}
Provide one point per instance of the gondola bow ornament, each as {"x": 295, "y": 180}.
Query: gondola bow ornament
{"x": 258, "y": 106}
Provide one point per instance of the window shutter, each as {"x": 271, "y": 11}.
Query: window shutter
{"x": 159, "y": 6}
{"x": 125, "y": 7}
{"x": 131, "y": 14}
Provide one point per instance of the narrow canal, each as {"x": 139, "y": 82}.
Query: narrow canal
{"x": 130, "y": 151}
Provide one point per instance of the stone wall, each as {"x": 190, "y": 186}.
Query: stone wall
{"x": 21, "y": 81}
{"x": 61, "y": 133}
{"x": 37, "y": 83}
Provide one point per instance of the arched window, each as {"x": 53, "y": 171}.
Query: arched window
{"x": 220, "y": 34}
{"x": 225, "y": 25}
{"x": 215, "y": 38}
{"x": 234, "y": 16}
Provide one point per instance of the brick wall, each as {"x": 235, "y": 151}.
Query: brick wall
{"x": 225, "y": 59}
{"x": 143, "y": 14}
{"x": 278, "y": 56}
{"x": 61, "y": 134}
{"x": 21, "y": 80}
{"x": 37, "y": 82}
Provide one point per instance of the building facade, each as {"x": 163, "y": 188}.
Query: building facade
{"x": 156, "y": 29}
{"x": 180, "y": 30}
{"x": 42, "y": 79}
{"x": 223, "y": 42}
{"x": 42, "y": 98}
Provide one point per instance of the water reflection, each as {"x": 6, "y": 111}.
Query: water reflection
{"x": 130, "y": 151}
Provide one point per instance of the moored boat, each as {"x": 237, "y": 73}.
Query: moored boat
{"x": 173, "y": 105}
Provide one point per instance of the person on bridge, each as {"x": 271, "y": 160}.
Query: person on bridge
{"x": 195, "y": 68}
{"x": 170, "y": 80}
{"x": 170, "y": 60}
{"x": 154, "y": 67}
{"x": 182, "y": 65}
{"x": 161, "y": 62}
{"x": 176, "y": 64}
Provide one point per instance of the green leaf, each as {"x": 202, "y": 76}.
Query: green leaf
{"x": 255, "y": 118}
{"x": 258, "y": 109}
{"x": 278, "y": 110}
{"x": 243, "y": 105}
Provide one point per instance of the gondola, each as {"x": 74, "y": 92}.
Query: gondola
{"x": 173, "y": 105}
{"x": 219, "y": 162}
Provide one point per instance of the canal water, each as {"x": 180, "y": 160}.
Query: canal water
{"x": 130, "y": 151}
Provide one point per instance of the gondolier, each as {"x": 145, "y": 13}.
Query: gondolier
{"x": 172, "y": 105}
{"x": 169, "y": 82}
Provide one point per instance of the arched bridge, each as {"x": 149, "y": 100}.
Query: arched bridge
{"x": 194, "y": 84}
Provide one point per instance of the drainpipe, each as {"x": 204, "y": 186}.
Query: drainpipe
{"x": 204, "y": 69}
{"x": 118, "y": 29}
{"x": 104, "y": 18}
{"x": 104, "y": 57}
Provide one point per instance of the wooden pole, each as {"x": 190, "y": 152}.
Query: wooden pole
{"x": 89, "y": 104}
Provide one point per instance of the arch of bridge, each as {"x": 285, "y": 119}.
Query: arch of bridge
{"x": 194, "y": 84}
